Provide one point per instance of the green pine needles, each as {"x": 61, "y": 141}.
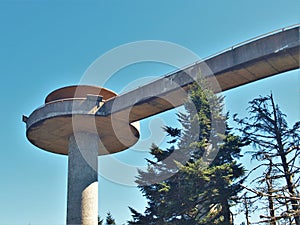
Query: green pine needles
{"x": 195, "y": 180}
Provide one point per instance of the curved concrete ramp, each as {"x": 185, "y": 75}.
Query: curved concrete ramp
{"x": 260, "y": 58}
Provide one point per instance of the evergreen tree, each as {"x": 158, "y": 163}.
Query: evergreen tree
{"x": 278, "y": 147}
{"x": 100, "y": 222}
{"x": 203, "y": 187}
{"x": 110, "y": 219}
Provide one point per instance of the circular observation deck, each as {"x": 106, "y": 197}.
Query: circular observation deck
{"x": 74, "y": 109}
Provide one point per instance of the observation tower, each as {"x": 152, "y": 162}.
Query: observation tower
{"x": 68, "y": 124}
{"x": 84, "y": 122}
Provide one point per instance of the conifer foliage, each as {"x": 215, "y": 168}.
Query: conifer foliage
{"x": 195, "y": 180}
{"x": 108, "y": 221}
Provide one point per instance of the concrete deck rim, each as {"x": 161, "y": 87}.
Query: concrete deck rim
{"x": 46, "y": 112}
{"x": 90, "y": 89}
{"x": 43, "y": 147}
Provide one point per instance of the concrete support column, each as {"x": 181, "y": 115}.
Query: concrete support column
{"x": 82, "y": 202}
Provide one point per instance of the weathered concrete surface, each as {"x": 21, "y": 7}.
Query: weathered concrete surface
{"x": 261, "y": 58}
{"x": 81, "y": 91}
{"x": 50, "y": 126}
{"x": 82, "y": 202}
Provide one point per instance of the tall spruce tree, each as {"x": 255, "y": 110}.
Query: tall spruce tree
{"x": 109, "y": 219}
{"x": 275, "y": 142}
{"x": 205, "y": 175}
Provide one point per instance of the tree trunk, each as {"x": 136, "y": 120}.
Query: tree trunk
{"x": 287, "y": 209}
{"x": 247, "y": 210}
{"x": 270, "y": 198}
{"x": 285, "y": 165}
{"x": 227, "y": 213}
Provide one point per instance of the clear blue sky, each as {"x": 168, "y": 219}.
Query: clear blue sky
{"x": 48, "y": 44}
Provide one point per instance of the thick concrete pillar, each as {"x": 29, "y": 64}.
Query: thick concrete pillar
{"x": 82, "y": 205}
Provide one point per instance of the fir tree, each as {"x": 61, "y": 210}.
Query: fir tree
{"x": 109, "y": 219}
{"x": 203, "y": 185}
{"x": 100, "y": 222}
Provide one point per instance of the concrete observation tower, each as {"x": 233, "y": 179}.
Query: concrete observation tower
{"x": 67, "y": 124}
{"x": 84, "y": 122}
